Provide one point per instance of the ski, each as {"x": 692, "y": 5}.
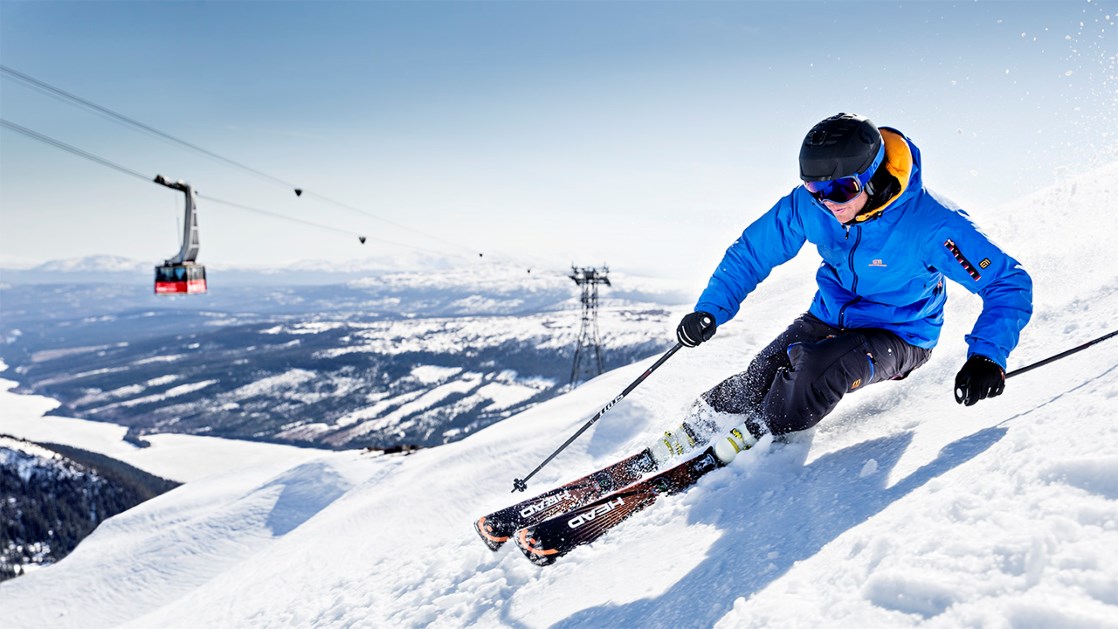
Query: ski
{"x": 496, "y": 528}
{"x": 550, "y": 539}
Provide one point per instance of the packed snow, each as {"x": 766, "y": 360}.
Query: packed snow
{"x": 900, "y": 509}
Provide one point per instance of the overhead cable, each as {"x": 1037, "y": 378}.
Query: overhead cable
{"x": 306, "y": 222}
{"x": 72, "y": 149}
{"x": 401, "y": 226}
{"x": 128, "y": 171}
{"x": 61, "y": 94}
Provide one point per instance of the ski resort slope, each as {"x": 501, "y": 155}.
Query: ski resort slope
{"x": 901, "y": 509}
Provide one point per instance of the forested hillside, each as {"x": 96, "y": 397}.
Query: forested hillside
{"x": 53, "y": 496}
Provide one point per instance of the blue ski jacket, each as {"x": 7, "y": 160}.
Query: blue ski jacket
{"x": 886, "y": 270}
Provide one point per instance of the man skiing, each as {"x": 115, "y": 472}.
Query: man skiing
{"x": 887, "y": 243}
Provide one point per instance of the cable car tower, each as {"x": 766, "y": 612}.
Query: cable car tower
{"x": 180, "y": 274}
{"x": 588, "y": 279}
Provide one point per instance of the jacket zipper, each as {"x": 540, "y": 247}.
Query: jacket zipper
{"x": 854, "y": 272}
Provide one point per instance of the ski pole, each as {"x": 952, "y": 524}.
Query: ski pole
{"x": 1017, "y": 372}
{"x": 961, "y": 394}
{"x": 521, "y": 484}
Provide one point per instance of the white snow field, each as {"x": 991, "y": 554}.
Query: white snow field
{"x": 901, "y": 509}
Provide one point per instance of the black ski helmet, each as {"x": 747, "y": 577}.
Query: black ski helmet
{"x": 840, "y": 146}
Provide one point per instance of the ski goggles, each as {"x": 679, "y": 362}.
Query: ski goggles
{"x": 844, "y": 189}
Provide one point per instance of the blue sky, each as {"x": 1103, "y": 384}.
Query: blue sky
{"x": 641, "y": 134}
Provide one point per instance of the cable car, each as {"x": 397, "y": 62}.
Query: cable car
{"x": 171, "y": 279}
{"x": 181, "y": 274}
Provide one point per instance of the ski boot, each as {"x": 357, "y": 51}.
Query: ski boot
{"x": 731, "y": 444}
{"x": 682, "y": 439}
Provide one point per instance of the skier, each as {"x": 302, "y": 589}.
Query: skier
{"x": 887, "y": 243}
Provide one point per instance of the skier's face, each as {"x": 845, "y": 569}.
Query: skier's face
{"x": 845, "y": 212}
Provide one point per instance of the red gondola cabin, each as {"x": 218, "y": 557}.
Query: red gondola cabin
{"x": 180, "y": 278}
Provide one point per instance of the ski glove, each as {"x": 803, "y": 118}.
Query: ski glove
{"x": 979, "y": 379}
{"x": 695, "y": 328}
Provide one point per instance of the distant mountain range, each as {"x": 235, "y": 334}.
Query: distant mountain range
{"x": 379, "y": 360}
{"x": 116, "y": 269}
{"x": 118, "y": 264}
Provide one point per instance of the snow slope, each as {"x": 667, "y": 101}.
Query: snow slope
{"x": 900, "y": 509}
{"x": 181, "y": 458}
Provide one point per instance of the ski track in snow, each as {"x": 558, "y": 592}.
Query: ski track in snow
{"x": 901, "y": 509}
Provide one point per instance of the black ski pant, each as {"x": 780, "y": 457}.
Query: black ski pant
{"x": 801, "y": 376}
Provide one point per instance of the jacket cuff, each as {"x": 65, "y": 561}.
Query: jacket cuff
{"x": 988, "y": 350}
{"x": 720, "y": 314}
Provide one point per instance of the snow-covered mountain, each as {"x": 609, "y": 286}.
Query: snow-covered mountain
{"x": 407, "y": 269}
{"x": 389, "y": 359}
{"x": 901, "y": 509}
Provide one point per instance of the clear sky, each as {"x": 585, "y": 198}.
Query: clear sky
{"x": 641, "y": 134}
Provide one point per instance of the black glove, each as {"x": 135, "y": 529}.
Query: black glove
{"x": 695, "y": 328}
{"x": 979, "y": 379}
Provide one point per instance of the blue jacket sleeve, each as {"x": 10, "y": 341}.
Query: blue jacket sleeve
{"x": 773, "y": 239}
{"x": 967, "y": 256}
